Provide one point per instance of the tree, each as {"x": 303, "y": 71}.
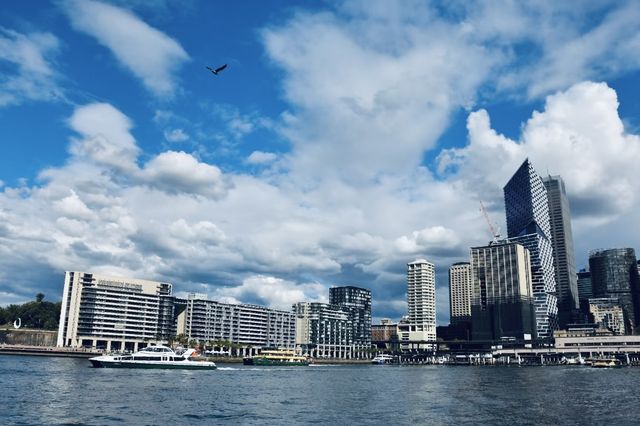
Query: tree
{"x": 39, "y": 297}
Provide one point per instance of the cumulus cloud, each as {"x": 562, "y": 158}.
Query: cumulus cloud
{"x": 181, "y": 172}
{"x": 274, "y": 292}
{"x": 148, "y": 53}
{"x": 28, "y": 73}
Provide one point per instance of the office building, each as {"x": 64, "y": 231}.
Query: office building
{"x": 357, "y": 302}
{"x": 420, "y": 326}
{"x": 585, "y": 291}
{"x": 527, "y": 211}
{"x": 607, "y": 313}
{"x": 614, "y": 273}
{"x": 502, "y": 306}
{"x": 563, "y": 253}
{"x": 460, "y": 292}
{"x": 114, "y": 313}
{"x": 251, "y": 326}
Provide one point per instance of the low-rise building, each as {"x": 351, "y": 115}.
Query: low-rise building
{"x": 252, "y": 326}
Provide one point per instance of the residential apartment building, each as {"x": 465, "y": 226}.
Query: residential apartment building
{"x": 114, "y": 313}
{"x": 420, "y": 327}
{"x": 243, "y": 324}
{"x": 460, "y": 292}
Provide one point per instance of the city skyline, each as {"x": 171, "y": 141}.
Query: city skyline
{"x": 342, "y": 141}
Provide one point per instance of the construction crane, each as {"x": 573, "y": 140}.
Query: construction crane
{"x": 495, "y": 233}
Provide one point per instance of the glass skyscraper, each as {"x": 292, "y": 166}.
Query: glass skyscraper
{"x": 563, "y": 254}
{"x": 614, "y": 273}
{"x": 527, "y": 211}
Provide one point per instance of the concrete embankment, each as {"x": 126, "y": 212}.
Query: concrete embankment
{"x": 46, "y": 351}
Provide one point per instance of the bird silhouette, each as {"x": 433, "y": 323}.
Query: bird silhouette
{"x": 217, "y": 70}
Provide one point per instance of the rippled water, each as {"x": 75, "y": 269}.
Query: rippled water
{"x": 38, "y": 390}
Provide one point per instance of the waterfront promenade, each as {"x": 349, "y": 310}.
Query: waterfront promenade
{"x": 47, "y": 351}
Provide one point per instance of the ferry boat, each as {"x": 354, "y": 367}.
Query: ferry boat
{"x": 382, "y": 359}
{"x": 277, "y": 357}
{"x": 156, "y": 356}
{"x": 606, "y": 363}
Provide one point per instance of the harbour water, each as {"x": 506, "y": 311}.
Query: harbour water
{"x": 37, "y": 390}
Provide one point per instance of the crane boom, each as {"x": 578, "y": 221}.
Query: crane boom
{"x": 494, "y": 234}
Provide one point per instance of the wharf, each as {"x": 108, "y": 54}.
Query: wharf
{"x": 47, "y": 351}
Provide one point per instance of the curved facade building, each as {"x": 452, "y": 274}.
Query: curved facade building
{"x": 614, "y": 273}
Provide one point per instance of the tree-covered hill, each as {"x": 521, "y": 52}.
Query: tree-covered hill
{"x": 36, "y": 314}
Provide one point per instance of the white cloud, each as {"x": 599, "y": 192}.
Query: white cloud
{"x": 106, "y": 137}
{"x": 275, "y": 292}
{"x": 149, "y": 54}
{"x": 261, "y": 157}
{"x": 176, "y": 135}
{"x": 181, "y": 172}
{"x": 28, "y": 73}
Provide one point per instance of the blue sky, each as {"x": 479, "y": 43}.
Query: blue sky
{"x": 344, "y": 139}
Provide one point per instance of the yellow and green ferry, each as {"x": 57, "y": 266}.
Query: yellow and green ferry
{"x": 277, "y": 357}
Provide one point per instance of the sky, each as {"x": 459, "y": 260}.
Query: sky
{"x": 342, "y": 141}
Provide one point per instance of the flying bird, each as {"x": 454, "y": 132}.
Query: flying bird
{"x": 217, "y": 70}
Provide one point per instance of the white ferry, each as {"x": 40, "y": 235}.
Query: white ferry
{"x": 382, "y": 359}
{"x": 153, "y": 357}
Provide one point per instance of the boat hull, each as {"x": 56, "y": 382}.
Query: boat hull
{"x": 188, "y": 365}
{"x": 271, "y": 362}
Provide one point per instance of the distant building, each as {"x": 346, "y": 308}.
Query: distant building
{"x": 421, "y": 299}
{"x": 502, "y": 305}
{"x": 607, "y": 313}
{"x": 563, "y": 253}
{"x": 357, "y": 302}
{"x": 460, "y": 292}
{"x": 614, "y": 273}
{"x": 114, "y": 313}
{"x": 243, "y": 324}
{"x": 585, "y": 290}
{"x": 385, "y": 334}
{"x": 527, "y": 211}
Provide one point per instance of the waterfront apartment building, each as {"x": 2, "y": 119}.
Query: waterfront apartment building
{"x": 614, "y": 273}
{"x": 502, "y": 304}
{"x": 527, "y": 213}
{"x": 420, "y": 327}
{"x": 252, "y": 326}
{"x": 607, "y": 313}
{"x": 114, "y": 313}
{"x": 357, "y": 302}
{"x": 460, "y": 292}
{"x": 563, "y": 253}
{"x": 324, "y": 331}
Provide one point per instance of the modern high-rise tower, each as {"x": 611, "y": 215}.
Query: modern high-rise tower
{"x": 421, "y": 300}
{"x": 563, "y": 254}
{"x": 502, "y": 304}
{"x": 527, "y": 210}
{"x": 460, "y": 292}
{"x": 614, "y": 273}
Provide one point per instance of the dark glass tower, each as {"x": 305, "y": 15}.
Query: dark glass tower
{"x": 357, "y": 302}
{"x": 527, "y": 210}
{"x": 563, "y": 254}
{"x": 614, "y": 273}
